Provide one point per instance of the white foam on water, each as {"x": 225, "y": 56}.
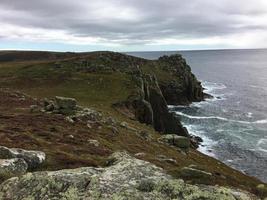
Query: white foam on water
{"x": 209, "y": 87}
{"x": 207, "y": 144}
{"x": 262, "y": 145}
{"x": 264, "y": 121}
{"x": 249, "y": 114}
{"x": 174, "y": 106}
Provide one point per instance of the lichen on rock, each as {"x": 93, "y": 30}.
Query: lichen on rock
{"x": 125, "y": 178}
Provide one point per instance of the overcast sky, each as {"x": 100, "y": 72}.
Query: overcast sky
{"x": 132, "y": 25}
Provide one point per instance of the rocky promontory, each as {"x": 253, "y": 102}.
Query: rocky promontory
{"x": 97, "y": 126}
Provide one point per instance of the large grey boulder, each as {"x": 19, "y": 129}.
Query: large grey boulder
{"x": 65, "y": 103}
{"x": 61, "y": 105}
{"x": 32, "y": 158}
{"x": 12, "y": 167}
{"x": 125, "y": 178}
{"x": 175, "y": 140}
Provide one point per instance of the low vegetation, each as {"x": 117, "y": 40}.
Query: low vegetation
{"x": 24, "y": 83}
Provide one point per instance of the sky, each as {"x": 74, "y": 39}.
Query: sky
{"x": 132, "y": 25}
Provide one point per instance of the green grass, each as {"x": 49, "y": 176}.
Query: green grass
{"x": 88, "y": 88}
{"x": 99, "y": 91}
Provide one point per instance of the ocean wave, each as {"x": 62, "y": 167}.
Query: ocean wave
{"x": 263, "y": 121}
{"x": 262, "y": 143}
{"x": 211, "y": 86}
{"x": 249, "y": 114}
{"x": 207, "y": 144}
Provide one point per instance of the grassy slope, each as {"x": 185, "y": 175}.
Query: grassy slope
{"x": 20, "y": 128}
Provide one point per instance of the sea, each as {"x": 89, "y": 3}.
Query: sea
{"x": 233, "y": 124}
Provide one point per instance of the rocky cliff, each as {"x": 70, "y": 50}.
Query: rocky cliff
{"x": 149, "y": 105}
{"x": 182, "y": 86}
{"x": 63, "y": 106}
{"x": 167, "y": 80}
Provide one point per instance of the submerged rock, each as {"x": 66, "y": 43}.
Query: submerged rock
{"x": 125, "y": 178}
{"x": 32, "y": 158}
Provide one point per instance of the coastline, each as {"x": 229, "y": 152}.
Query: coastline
{"x": 87, "y": 134}
{"x": 210, "y": 146}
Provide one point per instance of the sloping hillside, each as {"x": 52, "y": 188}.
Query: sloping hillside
{"x": 131, "y": 96}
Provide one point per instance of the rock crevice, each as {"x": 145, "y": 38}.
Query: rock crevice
{"x": 150, "y": 107}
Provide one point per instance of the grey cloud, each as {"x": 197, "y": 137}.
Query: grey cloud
{"x": 155, "y": 19}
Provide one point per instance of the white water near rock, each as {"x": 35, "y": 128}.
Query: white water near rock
{"x": 234, "y": 123}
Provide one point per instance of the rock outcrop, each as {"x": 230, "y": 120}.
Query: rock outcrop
{"x": 12, "y": 167}
{"x": 155, "y": 92}
{"x": 183, "y": 87}
{"x": 32, "y": 158}
{"x": 15, "y": 162}
{"x": 175, "y": 140}
{"x": 149, "y": 105}
{"x": 61, "y": 105}
{"x": 124, "y": 178}
{"x": 196, "y": 175}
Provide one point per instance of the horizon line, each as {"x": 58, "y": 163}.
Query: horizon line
{"x": 215, "y": 49}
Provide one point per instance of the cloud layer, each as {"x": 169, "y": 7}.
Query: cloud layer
{"x": 136, "y": 24}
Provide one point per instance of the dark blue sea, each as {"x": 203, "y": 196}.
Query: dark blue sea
{"x": 234, "y": 123}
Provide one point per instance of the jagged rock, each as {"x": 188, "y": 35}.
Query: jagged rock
{"x": 163, "y": 121}
{"x": 12, "y": 167}
{"x": 143, "y": 111}
{"x": 195, "y": 141}
{"x": 126, "y": 178}
{"x": 149, "y": 106}
{"x": 183, "y": 88}
{"x": 175, "y": 140}
{"x": 33, "y": 158}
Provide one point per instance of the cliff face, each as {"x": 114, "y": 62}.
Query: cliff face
{"x": 149, "y": 105}
{"x": 167, "y": 80}
{"x": 153, "y": 83}
{"x": 182, "y": 86}
{"x": 32, "y": 118}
